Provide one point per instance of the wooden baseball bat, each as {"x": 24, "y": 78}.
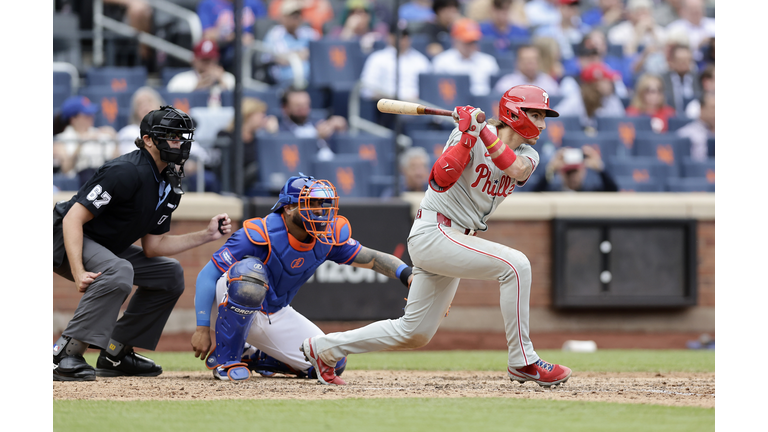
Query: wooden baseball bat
{"x": 392, "y": 106}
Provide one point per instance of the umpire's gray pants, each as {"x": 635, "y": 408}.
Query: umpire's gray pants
{"x": 160, "y": 282}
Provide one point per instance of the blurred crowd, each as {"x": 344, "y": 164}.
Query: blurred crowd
{"x": 596, "y": 59}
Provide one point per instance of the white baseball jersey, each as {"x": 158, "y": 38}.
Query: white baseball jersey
{"x": 443, "y": 255}
{"x": 480, "y": 189}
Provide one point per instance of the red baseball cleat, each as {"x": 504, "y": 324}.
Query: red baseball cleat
{"x": 542, "y": 373}
{"x": 326, "y": 374}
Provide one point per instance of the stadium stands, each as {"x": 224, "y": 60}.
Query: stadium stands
{"x": 627, "y": 144}
{"x": 349, "y": 173}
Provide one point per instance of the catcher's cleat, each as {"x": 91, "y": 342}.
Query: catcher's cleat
{"x": 73, "y": 368}
{"x": 131, "y": 364}
{"x": 232, "y": 372}
{"x": 326, "y": 374}
{"x": 542, "y": 373}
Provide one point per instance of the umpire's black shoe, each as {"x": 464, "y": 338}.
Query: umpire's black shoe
{"x": 73, "y": 368}
{"x": 132, "y": 364}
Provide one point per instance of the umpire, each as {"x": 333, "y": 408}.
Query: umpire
{"x": 129, "y": 198}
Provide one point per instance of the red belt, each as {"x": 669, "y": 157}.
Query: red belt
{"x": 443, "y": 220}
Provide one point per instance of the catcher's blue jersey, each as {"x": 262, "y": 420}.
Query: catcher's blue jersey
{"x": 289, "y": 262}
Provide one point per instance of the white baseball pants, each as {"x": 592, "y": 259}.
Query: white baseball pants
{"x": 442, "y": 256}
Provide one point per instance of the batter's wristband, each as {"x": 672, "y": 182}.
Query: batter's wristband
{"x": 405, "y": 274}
{"x": 400, "y": 269}
{"x": 505, "y": 159}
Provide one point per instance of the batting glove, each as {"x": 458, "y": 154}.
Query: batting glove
{"x": 467, "y": 118}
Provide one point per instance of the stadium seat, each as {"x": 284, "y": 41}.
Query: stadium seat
{"x": 629, "y": 184}
{"x": 419, "y": 42}
{"x": 640, "y": 169}
{"x": 699, "y": 169}
{"x": 667, "y": 148}
{"x": 675, "y": 123}
{"x": 169, "y": 72}
{"x": 506, "y": 62}
{"x": 186, "y": 101}
{"x": 378, "y": 150}
{"x": 349, "y": 174}
{"x": 62, "y": 79}
{"x": 97, "y": 94}
{"x": 283, "y": 155}
{"x": 60, "y": 94}
{"x": 432, "y": 141}
{"x": 690, "y": 184}
{"x": 489, "y": 104}
{"x": 627, "y": 128}
{"x": 608, "y": 143}
{"x": 558, "y": 127}
{"x": 615, "y": 50}
{"x": 106, "y": 118}
{"x": 335, "y": 64}
{"x": 119, "y": 79}
{"x": 444, "y": 90}
{"x": 411, "y": 124}
{"x": 114, "y": 108}
{"x": 270, "y": 97}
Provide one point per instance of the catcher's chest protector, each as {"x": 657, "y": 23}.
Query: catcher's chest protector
{"x": 289, "y": 262}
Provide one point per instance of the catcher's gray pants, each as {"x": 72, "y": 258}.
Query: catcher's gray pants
{"x": 160, "y": 282}
{"x": 441, "y": 257}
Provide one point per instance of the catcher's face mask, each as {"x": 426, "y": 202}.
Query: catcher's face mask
{"x": 318, "y": 206}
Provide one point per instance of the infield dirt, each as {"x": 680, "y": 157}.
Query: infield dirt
{"x": 672, "y": 389}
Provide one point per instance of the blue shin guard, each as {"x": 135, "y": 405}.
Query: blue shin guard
{"x": 246, "y": 289}
{"x": 232, "y": 326}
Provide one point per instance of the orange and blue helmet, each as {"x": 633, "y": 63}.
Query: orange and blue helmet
{"x": 318, "y": 204}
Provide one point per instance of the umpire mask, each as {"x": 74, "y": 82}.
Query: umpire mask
{"x": 170, "y": 124}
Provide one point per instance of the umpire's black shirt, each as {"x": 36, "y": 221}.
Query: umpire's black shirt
{"x": 129, "y": 199}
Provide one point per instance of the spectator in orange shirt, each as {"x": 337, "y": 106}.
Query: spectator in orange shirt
{"x": 649, "y": 100}
{"x": 315, "y": 13}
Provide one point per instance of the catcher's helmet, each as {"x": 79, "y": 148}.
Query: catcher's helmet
{"x": 318, "y": 204}
{"x": 513, "y": 103}
{"x": 169, "y": 123}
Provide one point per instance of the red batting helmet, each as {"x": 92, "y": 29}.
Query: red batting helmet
{"x": 522, "y": 97}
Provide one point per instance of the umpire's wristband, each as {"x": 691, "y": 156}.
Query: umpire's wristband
{"x": 404, "y": 272}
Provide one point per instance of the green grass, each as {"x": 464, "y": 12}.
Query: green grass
{"x": 444, "y": 415}
{"x": 600, "y": 361}
{"x": 408, "y": 414}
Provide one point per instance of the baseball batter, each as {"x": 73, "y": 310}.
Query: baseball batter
{"x": 245, "y": 291}
{"x": 467, "y": 184}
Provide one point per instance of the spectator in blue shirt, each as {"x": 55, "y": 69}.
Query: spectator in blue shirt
{"x": 605, "y": 15}
{"x": 218, "y": 20}
{"x": 500, "y": 28}
{"x": 292, "y": 35}
{"x": 417, "y": 11}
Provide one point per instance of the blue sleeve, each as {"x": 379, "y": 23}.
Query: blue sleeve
{"x": 236, "y": 247}
{"x": 346, "y": 252}
{"x": 205, "y": 293}
{"x": 258, "y": 8}
{"x": 206, "y": 15}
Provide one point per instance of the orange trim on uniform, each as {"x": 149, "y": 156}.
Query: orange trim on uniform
{"x": 217, "y": 265}
{"x": 359, "y": 246}
{"x": 263, "y": 231}
{"x": 295, "y": 243}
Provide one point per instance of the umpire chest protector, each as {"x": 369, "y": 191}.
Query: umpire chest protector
{"x": 290, "y": 262}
